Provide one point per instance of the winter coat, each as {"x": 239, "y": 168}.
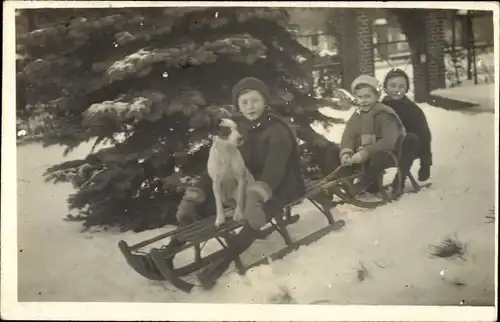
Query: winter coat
{"x": 415, "y": 122}
{"x": 270, "y": 152}
{"x": 378, "y": 129}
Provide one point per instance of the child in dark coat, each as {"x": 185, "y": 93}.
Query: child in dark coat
{"x": 271, "y": 155}
{"x": 396, "y": 84}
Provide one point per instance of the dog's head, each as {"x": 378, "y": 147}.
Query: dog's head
{"x": 225, "y": 129}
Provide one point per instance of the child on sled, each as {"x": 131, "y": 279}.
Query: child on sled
{"x": 271, "y": 155}
{"x": 372, "y": 131}
{"x": 396, "y": 85}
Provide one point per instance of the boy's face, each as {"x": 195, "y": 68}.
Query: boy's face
{"x": 366, "y": 97}
{"x": 396, "y": 87}
{"x": 251, "y": 104}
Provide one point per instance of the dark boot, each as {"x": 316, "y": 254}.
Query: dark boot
{"x": 373, "y": 188}
{"x": 354, "y": 189}
{"x": 424, "y": 173}
{"x": 236, "y": 246}
{"x": 174, "y": 243}
{"x": 210, "y": 274}
{"x": 373, "y": 170}
{"x": 348, "y": 185}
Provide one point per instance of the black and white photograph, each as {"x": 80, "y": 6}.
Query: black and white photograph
{"x": 307, "y": 159}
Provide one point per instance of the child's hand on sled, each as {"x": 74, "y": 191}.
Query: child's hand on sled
{"x": 358, "y": 157}
{"x": 254, "y": 211}
{"x": 344, "y": 160}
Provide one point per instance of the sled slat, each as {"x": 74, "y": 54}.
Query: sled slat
{"x": 208, "y": 229}
{"x": 192, "y": 267}
{"x": 176, "y": 231}
{"x": 213, "y": 234}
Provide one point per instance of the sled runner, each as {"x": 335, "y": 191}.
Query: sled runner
{"x": 157, "y": 263}
{"x": 383, "y": 195}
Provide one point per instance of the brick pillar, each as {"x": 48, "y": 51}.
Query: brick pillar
{"x": 425, "y": 31}
{"x": 356, "y": 44}
{"x": 419, "y": 61}
{"x": 434, "y": 25}
{"x": 365, "y": 42}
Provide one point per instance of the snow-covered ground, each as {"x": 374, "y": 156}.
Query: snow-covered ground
{"x": 482, "y": 94}
{"x": 58, "y": 263}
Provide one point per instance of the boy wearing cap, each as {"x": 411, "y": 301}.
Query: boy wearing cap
{"x": 370, "y": 132}
{"x": 396, "y": 84}
{"x": 271, "y": 155}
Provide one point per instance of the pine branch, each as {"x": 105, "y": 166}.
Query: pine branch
{"x": 141, "y": 64}
{"x": 112, "y": 54}
{"x": 141, "y": 29}
{"x": 74, "y": 31}
{"x": 241, "y": 47}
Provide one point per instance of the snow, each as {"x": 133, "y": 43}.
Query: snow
{"x": 58, "y": 263}
{"x": 481, "y": 94}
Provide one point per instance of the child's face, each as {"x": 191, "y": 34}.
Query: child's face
{"x": 396, "y": 87}
{"x": 251, "y": 104}
{"x": 366, "y": 97}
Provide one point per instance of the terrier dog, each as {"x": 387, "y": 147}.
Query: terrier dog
{"x": 227, "y": 169}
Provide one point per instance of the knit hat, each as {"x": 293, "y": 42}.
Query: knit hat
{"x": 366, "y": 80}
{"x": 250, "y": 83}
{"x": 396, "y": 72}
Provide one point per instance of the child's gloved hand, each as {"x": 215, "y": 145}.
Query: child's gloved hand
{"x": 424, "y": 173}
{"x": 344, "y": 160}
{"x": 186, "y": 211}
{"x": 359, "y": 157}
{"x": 254, "y": 212}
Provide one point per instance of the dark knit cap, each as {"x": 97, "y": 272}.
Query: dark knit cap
{"x": 250, "y": 83}
{"x": 396, "y": 72}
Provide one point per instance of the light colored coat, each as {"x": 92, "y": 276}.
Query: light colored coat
{"x": 378, "y": 129}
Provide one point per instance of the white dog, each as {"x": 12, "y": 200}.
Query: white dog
{"x": 227, "y": 169}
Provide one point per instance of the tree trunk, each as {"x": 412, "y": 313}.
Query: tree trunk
{"x": 412, "y": 24}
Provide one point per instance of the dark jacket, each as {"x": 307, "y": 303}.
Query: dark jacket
{"x": 271, "y": 155}
{"x": 415, "y": 122}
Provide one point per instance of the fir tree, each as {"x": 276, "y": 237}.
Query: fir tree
{"x": 147, "y": 83}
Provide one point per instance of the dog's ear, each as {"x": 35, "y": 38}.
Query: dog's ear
{"x": 214, "y": 125}
{"x": 224, "y": 112}
{"x": 219, "y": 128}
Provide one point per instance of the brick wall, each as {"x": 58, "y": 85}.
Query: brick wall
{"x": 365, "y": 41}
{"x": 434, "y": 24}
{"x": 356, "y": 44}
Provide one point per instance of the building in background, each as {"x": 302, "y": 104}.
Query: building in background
{"x": 309, "y": 25}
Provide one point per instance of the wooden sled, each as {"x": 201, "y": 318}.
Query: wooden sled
{"x": 157, "y": 263}
{"x": 385, "y": 198}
